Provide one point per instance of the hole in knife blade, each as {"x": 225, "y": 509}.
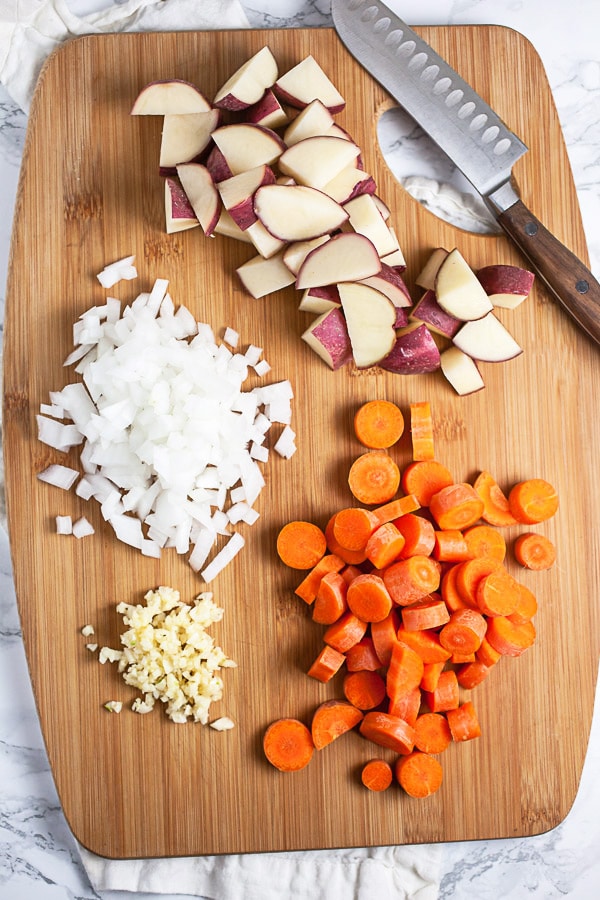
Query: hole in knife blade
{"x": 427, "y": 174}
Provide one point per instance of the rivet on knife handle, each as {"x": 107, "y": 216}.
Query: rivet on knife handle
{"x": 565, "y": 275}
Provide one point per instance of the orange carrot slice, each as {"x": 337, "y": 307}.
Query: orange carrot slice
{"x": 378, "y": 424}
{"x": 377, "y": 775}
{"x": 288, "y": 745}
{"x": 332, "y": 719}
{"x": 374, "y": 478}
{"x": 419, "y": 774}
{"x": 533, "y": 500}
{"x": 301, "y": 545}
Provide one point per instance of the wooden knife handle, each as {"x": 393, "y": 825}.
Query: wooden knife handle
{"x": 570, "y": 281}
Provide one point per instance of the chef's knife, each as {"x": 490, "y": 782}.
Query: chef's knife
{"x": 471, "y": 134}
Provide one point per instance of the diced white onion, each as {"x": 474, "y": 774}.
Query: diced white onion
{"x": 122, "y": 268}
{"x": 59, "y": 476}
{"x": 64, "y": 525}
{"x": 82, "y": 528}
{"x": 286, "y": 443}
{"x": 231, "y": 337}
{"x": 222, "y": 724}
{"x": 223, "y": 557}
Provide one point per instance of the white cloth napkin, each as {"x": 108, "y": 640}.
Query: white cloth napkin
{"x": 29, "y": 31}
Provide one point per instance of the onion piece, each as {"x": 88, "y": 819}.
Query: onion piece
{"x": 59, "y": 476}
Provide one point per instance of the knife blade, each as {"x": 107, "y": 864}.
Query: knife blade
{"x": 472, "y": 135}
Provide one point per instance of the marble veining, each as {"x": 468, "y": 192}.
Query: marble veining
{"x": 38, "y": 856}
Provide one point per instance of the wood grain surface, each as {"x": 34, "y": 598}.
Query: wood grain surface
{"x": 90, "y": 193}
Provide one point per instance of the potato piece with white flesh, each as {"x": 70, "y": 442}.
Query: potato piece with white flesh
{"x": 389, "y": 281}
{"x": 428, "y": 310}
{"x": 265, "y": 242}
{"x": 345, "y": 257}
{"x": 202, "y": 193}
{"x": 306, "y": 82}
{"x": 461, "y": 371}
{"x": 248, "y": 84}
{"x": 459, "y": 291}
{"x": 486, "y": 339}
{"x": 320, "y": 299}
{"x": 267, "y": 111}
{"x": 217, "y": 165}
{"x": 414, "y": 352}
{"x": 396, "y": 257}
{"x": 427, "y": 275}
{"x": 296, "y": 212}
{"x": 169, "y": 97}
{"x": 506, "y": 286}
{"x": 295, "y": 254}
{"x": 370, "y": 318}
{"x": 328, "y": 337}
{"x": 179, "y": 215}
{"x": 366, "y": 219}
{"x": 237, "y": 193}
{"x": 314, "y": 119}
{"x": 228, "y": 228}
{"x": 349, "y": 183}
{"x": 314, "y": 161}
{"x": 262, "y": 276}
{"x": 185, "y": 137}
{"x": 245, "y": 146}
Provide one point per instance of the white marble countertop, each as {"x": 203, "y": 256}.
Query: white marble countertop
{"x": 38, "y": 856}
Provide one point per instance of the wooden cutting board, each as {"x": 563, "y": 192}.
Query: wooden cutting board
{"x": 134, "y": 785}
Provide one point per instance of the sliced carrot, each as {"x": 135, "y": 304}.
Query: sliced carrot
{"x": 327, "y": 664}
{"x": 393, "y": 510}
{"x": 450, "y": 546}
{"x": 330, "y": 601}
{"x": 349, "y": 573}
{"x": 424, "y": 478}
{"x": 526, "y": 607}
{"x": 470, "y": 574}
{"x": 404, "y": 672}
{"x": 378, "y": 424}
{"x": 332, "y": 719}
{"x": 419, "y": 774}
{"x": 288, "y": 745}
{"x": 458, "y": 659}
{"x": 388, "y": 731}
{"x": 368, "y": 598}
{"x": 483, "y": 540}
{"x": 471, "y": 674}
{"x": 421, "y": 431}
{"x": 445, "y": 695}
{"x": 384, "y": 636}
{"x": 464, "y": 632}
{"x": 377, "y": 775}
{"x": 431, "y": 676}
{"x": 308, "y": 587}
{"x": 533, "y": 500}
{"x": 425, "y": 615}
{"x": 456, "y": 507}
{"x": 384, "y": 545}
{"x": 347, "y": 631}
{"x": 363, "y": 657}
{"x": 432, "y": 733}
{"x": 418, "y": 534}
{"x": 498, "y": 593}
{"x": 486, "y": 654}
{"x": 496, "y": 510}
{"x": 374, "y": 478}
{"x": 409, "y": 580}
{"x": 351, "y": 557}
{"x": 534, "y": 551}
{"x": 406, "y": 706}
{"x": 463, "y": 722}
{"x": 365, "y": 690}
{"x": 426, "y": 643}
{"x": 449, "y": 589}
{"x": 508, "y": 638}
{"x": 300, "y": 545}
{"x": 352, "y": 527}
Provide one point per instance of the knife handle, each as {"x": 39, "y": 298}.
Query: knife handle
{"x": 570, "y": 281}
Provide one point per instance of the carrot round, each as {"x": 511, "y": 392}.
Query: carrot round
{"x": 464, "y": 632}
{"x": 384, "y": 545}
{"x": 301, "y": 545}
{"x": 384, "y": 636}
{"x": 486, "y": 654}
{"x": 450, "y": 546}
{"x": 352, "y": 527}
{"x": 445, "y": 695}
{"x": 424, "y": 478}
{"x": 471, "y": 674}
{"x": 362, "y": 657}
{"x": 388, "y": 731}
{"x": 327, "y": 664}
{"x": 483, "y": 540}
{"x": 347, "y": 631}
{"x": 393, "y": 510}
{"x": 421, "y": 431}
{"x": 508, "y": 638}
{"x": 496, "y": 510}
{"x": 498, "y": 593}
{"x": 330, "y": 602}
{"x": 463, "y": 722}
{"x": 418, "y": 534}
{"x": 288, "y": 745}
{"x": 406, "y": 706}
{"x": 456, "y": 507}
{"x": 374, "y": 478}
{"x": 350, "y": 557}
{"x": 308, "y": 587}
{"x": 470, "y": 574}
{"x": 419, "y": 774}
{"x": 526, "y": 607}
{"x": 368, "y": 598}
{"x": 432, "y": 733}
{"x": 534, "y": 551}
{"x": 431, "y": 676}
{"x": 533, "y": 500}
{"x": 378, "y": 424}
{"x": 404, "y": 672}
{"x": 451, "y": 595}
{"x": 365, "y": 690}
{"x": 426, "y": 643}
{"x": 332, "y": 719}
{"x": 377, "y": 775}
{"x": 409, "y": 580}
{"x": 424, "y": 615}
